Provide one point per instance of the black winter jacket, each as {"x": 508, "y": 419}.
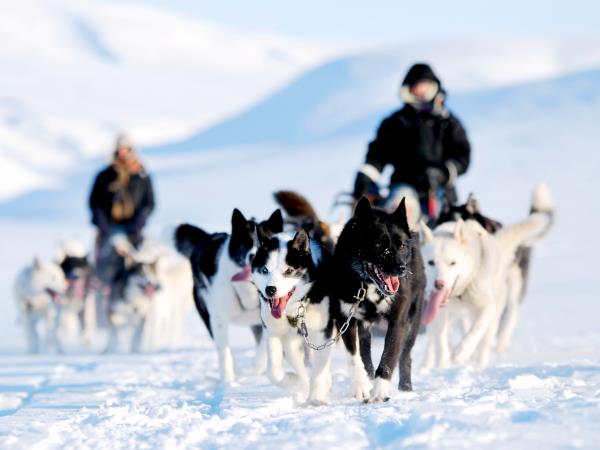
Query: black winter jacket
{"x": 101, "y": 201}
{"x": 412, "y": 141}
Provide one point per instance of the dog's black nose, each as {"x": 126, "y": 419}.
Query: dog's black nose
{"x": 271, "y": 290}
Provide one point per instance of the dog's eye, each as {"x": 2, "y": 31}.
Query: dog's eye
{"x": 288, "y": 272}
{"x": 263, "y": 270}
{"x": 431, "y": 262}
{"x": 452, "y": 263}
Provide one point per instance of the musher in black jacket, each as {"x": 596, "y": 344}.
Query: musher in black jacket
{"x": 426, "y": 145}
{"x": 122, "y": 196}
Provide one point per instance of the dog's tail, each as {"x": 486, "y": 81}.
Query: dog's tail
{"x": 535, "y": 227}
{"x": 187, "y": 237}
{"x": 295, "y": 205}
{"x": 300, "y": 213}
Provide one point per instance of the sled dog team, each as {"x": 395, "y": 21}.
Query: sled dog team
{"x": 146, "y": 295}
{"x": 302, "y": 288}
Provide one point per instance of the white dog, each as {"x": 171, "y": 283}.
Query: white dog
{"x": 39, "y": 288}
{"x": 172, "y": 304}
{"x": 469, "y": 273}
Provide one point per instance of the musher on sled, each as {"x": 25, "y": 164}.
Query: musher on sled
{"x": 122, "y": 197}
{"x": 121, "y": 201}
{"x": 424, "y": 143}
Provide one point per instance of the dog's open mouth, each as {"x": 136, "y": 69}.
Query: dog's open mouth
{"x": 244, "y": 274}
{"x": 278, "y": 304}
{"x": 149, "y": 289}
{"x": 437, "y": 299}
{"x": 386, "y": 283}
{"x": 56, "y": 297}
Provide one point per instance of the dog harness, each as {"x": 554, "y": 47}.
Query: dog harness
{"x": 299, "y": 319}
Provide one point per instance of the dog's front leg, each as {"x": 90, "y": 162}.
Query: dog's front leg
{"x": 430, "y": 350}
{"x": 320, "y": 382}
{"x": 111, "y": 345}
{"x": 361, "y": 384}
{"x": 394, "y": 342}
{"x": 136, "y": 338}
{"x": 221, "y": 338}
{"x": 514, "y": 292}
{"x": 261, "y": 357}
{"x": 53, "y": 320}
{"x": 294, "y": 350}
{"x": 88, "y": 322}
{"x": 275, "y": 357}
{"x": 473, "y": 338}
{"x": 33, "y": 339}
{"x": 443, "y": 346}
{"x": 364, "y": 345}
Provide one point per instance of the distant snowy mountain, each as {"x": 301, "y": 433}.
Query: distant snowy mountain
{"x": 75, "y": 73}
{"x": 349, "y": 95}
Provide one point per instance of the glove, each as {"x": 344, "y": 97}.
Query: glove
{"x": 437, "y": 175}
{"x": 363, "y": 185}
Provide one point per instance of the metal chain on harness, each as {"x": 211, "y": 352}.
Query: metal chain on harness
{"x": 360, "y": 296}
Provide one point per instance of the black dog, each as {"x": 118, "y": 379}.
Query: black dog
{"x": 379, "y": 274}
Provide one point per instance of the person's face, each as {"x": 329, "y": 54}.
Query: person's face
{"x": 421, "y": 88}
{"x": 123, "y": 153}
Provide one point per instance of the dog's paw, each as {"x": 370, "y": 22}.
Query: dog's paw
{"x": 315, "y": 402}
{"x": 459, "y": 359}
{"x": 380, "y": 392}
{"x": 319, "y": 391}
{"x": 228, "y": 377}
{"x": 361, "y": 391}
{"x": 289, "y": 380}
{"x": 502, "y": 347}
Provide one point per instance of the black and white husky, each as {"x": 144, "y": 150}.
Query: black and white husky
{"x": 378, "y": 274}
{"x": 223, "y": 292}
{"x": 290, "y": 272}
{"x": 79, "y": 300}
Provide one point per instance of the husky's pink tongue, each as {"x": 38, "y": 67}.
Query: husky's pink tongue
{"x": 278, "y": 305}
{"x": 436, "y": 298}
{"x": 149, "y": 289}
{"x": 244, "y": 275}
{"x": 392, "y": 283}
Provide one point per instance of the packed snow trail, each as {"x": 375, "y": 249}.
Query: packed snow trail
{"x": 175, "y": 400}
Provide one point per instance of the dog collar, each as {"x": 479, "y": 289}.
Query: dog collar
{"x": 293, "y": 320}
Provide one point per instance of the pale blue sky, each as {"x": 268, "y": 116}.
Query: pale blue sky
{"x": 381, "y": 21}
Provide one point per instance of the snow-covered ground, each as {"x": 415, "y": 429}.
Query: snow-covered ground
{"x": 531, "y": 110}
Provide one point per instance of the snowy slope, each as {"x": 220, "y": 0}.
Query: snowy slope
{"x": 75, "y": 73}
{"x": 347, "y": 94}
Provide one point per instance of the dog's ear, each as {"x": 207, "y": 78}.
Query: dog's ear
{"x": 399, "y": 216}
{"x": 275, "y": 222}
{"x": 460, "y": 232}
{"x": 60, "y": 254}
{"x": 263, "y": 234}
{"x": 301, "y": 242}
{"x": 363, "y": 209}
{"x": 426, "y": 233}
{"x": 237, "y": 219}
